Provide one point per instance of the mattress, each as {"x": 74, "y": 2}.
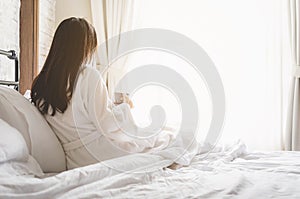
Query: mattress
{"x": 225, "y": 172}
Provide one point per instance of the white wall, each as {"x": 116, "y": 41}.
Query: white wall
{"x": 52, "y": 12}
{"x": 46, "y": 28}
{"x": 69, "y": 8}
{"x": 9, "y": 35}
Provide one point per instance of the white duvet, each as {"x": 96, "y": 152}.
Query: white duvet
{"x": 228, "y": 172}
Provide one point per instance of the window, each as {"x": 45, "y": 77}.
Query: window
{"x": 247, "y": 40}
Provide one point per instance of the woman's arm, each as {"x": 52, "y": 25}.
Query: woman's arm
{"x": 116, "y": 122}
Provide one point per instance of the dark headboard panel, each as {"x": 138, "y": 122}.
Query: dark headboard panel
{"x": 11, "y": 54}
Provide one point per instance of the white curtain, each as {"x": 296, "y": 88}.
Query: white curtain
{"x": 249, "y": 44}
{"x": 110, "y": 18}
{"x": 292, "y": 137}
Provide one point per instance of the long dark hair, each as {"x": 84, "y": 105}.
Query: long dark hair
{"x": 73, "y": 44}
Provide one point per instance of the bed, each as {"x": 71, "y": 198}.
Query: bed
{"x": 228, "y": 172}
{"x": 11, "y": 54}
{"x": 32, "y": 165}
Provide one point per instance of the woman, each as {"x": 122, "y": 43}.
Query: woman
{"x": 74, "y": 100}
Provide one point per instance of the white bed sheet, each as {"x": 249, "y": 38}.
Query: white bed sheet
{"x": 228, "y": 172}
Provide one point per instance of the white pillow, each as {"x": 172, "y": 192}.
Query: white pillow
{"x": 12, "y": 144}
{"x": 17, "y": 168}
{"x": 42, "y": 143}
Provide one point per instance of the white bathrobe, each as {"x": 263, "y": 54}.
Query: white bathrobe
{"x": 92, "y": 127}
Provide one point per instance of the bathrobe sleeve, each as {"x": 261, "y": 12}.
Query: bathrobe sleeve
{"x": 116, "y": 122}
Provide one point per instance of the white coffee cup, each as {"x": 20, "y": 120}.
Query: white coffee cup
{"x": 120, "y": 97}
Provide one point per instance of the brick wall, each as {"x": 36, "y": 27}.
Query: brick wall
{"x": 9, "y": 35}
{"x": 46, "y": 28}
{"x": 9, "y": 32}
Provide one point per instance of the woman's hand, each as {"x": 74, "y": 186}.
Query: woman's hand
{"x": 125, "y": 99}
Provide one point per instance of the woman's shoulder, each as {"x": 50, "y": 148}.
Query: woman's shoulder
{"x": 90, "y": 73}
{"x": 89, "y": 70}
{"x": 90, "y": 77}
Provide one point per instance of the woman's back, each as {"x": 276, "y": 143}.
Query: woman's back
{"x": 83, "y": 143}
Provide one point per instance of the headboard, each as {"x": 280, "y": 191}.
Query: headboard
{"x": 11, "y": 54}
